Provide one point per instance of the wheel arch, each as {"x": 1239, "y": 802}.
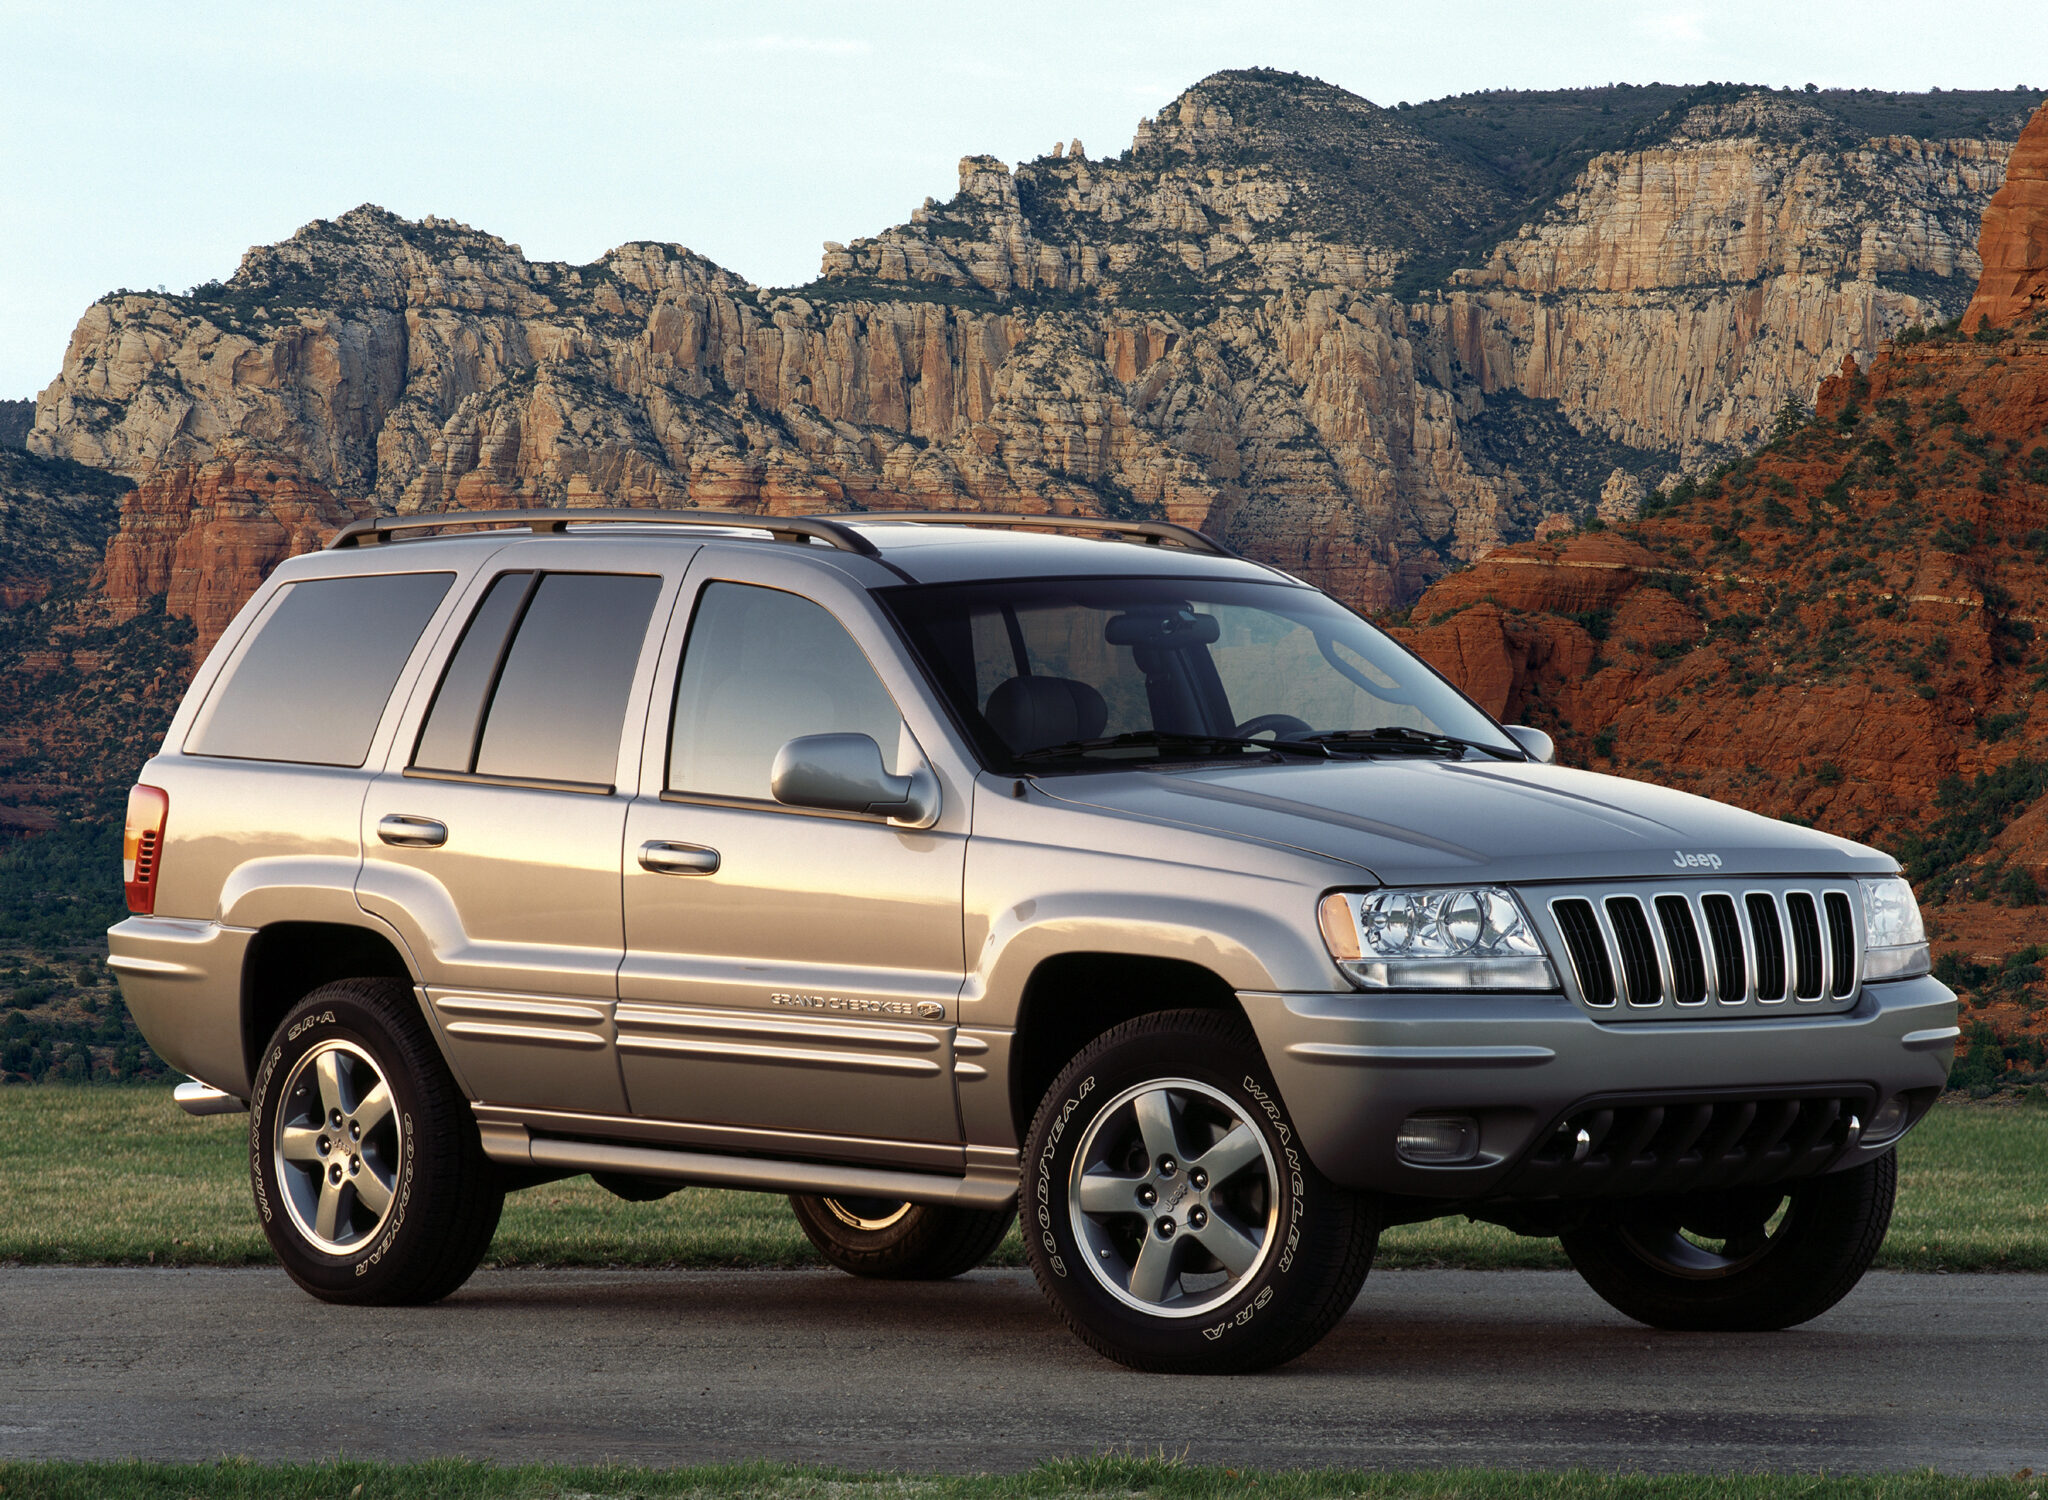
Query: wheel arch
{"x": 286, "y": 961}
{"x": 1072, "y": 998}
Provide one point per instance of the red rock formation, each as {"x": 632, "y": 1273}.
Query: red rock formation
{"x": 2014, "y": 242}
{"x": 204, "y": 535}
{"x": 1847, "y": 629}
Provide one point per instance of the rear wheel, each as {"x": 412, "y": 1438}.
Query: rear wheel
{"x": 1171, "y": 1217}
{"x": 1745, "y": 1260}
{"x": 889, "y": 1239}
{"x": 369, "y": 1174}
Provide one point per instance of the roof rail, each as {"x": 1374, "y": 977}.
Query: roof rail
{"x": 1154, "y": 532}
{"x": 555, "y": 520}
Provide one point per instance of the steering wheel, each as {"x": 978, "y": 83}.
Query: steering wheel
{"x": 1284, "y": 726}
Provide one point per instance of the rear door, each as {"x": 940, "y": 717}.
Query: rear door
{"x": 492, "y": 839}
{"x": 791, "y": 976}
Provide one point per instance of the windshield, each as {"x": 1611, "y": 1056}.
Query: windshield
{"x": 1043, "y": 672}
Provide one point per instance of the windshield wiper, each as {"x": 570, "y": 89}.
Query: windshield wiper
{"x": 1399, "y": 739}
{"x": 1160, "y": 739}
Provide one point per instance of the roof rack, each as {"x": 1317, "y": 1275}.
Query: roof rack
{"x": 554, "y": 521}
{"x": 834, "y": 531}
{"x": 1154, "y": 532}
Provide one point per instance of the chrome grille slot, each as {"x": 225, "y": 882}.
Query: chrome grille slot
{"x": 1588, "y": 950}
{"x": 1769, "y": 941}
{"x": 1675, "y": 1144}
{"x": 1724, "y": 931}
{"x": 1640, "y": 978}
{"x": 1842, "y": 943}
{"x": 1682, "y": 942}
{"x": 1693, "y": 949}
{"x": 1809, "y": 976}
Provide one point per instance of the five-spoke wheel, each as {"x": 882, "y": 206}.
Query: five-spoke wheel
{"x": 368, "y": 1170}
{"x": 338, "y": 1145}
{"x": 1173, "y": 1194}
{"x": 1168, "y": 1211}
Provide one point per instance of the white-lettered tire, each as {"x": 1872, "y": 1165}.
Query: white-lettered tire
{"x": 370, "y": 1179}
{"x": 1747, "y": 1260}
{"x": 890, "y": 1240}
{"x": 1169, "y": 1212}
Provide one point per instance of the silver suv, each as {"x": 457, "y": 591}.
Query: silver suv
{"x": 929, "y": 868}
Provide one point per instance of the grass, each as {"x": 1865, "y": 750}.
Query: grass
{"x": 98, "y": 1175}
{"x": 1108, "y": 1475}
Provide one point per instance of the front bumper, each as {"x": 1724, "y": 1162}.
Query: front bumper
{"x": 1352, "y": 1066}
{"x": 182, "y": 981}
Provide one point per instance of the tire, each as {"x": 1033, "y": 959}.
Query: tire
{"x": 890, "y": 1240}
{"x": 1170, "y": 1215}
{"x": 369, "y": 1175}
{"x": 1717, "y": 1262}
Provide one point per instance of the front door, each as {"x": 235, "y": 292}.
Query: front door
{"x": 492, "y": 842}
{"x": 790, "y": 976}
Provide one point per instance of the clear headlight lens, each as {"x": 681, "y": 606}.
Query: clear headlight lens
{"x": 1462, "y": 938}
{"x": 1894, "y": 938}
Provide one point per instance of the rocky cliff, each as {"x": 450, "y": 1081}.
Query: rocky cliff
{"x": 196, "y": 539}
{"x": 1368, "y": 345}
{"x": 2014, "y": 244}
{"x": 1849, "y": 628}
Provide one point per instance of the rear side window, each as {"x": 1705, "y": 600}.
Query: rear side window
{"x": 537, "y": 689}
{"x": 311, "y": 684}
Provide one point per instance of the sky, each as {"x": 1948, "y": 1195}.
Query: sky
{"x": 149, "y": 145}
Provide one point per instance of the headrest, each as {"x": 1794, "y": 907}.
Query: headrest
{"x": 1029, "y": 712}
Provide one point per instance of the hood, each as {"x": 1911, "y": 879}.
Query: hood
{"x": 1436, "y": 822}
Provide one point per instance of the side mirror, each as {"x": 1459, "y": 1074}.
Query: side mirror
{"x": 844, "y": 773}
{"x": 1541, "y": 747}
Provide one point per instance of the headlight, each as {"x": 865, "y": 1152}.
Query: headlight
{"x": 1894, "y": 938}
{"x": 1469, "y": 938}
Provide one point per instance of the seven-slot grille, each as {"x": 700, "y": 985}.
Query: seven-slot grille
{"x": 1640, "y": 953}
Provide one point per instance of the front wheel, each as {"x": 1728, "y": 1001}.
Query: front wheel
{"x": 369, "y": 1174}
{"x": 888, "y": 1239}
{"x": 1169, "y": 1213}
{"x": 1744, "y": 1260}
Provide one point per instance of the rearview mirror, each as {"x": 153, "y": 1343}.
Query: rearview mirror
{"x": 844, "y": 773}
{"x": 1166, "y": 627}
{"x": 1541, "y": 747}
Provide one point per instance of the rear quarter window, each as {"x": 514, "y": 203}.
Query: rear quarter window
{"x": 311, "y": 683}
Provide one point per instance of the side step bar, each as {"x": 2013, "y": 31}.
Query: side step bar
{"x": 513, "y": 1145}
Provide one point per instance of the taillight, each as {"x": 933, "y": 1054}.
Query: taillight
{"x": 142, "y": 846}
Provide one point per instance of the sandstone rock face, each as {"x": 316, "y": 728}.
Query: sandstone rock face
{"x": 1830, "y": 630}
{"x": 1251, "y": 181}
{"x": 1205, "y": 327}
{"x": 1679, "y": 294}
{"x": 201, "y": 536}
{"x": 2014, "y": 243}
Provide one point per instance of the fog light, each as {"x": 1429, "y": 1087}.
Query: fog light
{"x": 1438, "y": 1140}
{"x": 1890, "y": 1119}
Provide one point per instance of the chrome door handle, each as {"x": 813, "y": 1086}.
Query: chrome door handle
{"x": 409, "y": 832}
{"x": 678, "y": 859}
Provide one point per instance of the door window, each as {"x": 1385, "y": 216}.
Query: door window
{"x": 537, "y": 688}
{"x": 763, "y": 667}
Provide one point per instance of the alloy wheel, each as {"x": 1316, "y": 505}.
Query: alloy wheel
{"x": 1173, "y": 1197}
{"x": 337, "y": 1147}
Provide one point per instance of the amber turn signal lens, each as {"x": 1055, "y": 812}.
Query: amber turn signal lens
{"x": 142, "y": 846}
{"x": 1340, "y": 928}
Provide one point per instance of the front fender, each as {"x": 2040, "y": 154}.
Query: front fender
{"x": 1226, "y": 940}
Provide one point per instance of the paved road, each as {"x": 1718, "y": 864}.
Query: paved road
{"x": 1524, "y": 1369}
